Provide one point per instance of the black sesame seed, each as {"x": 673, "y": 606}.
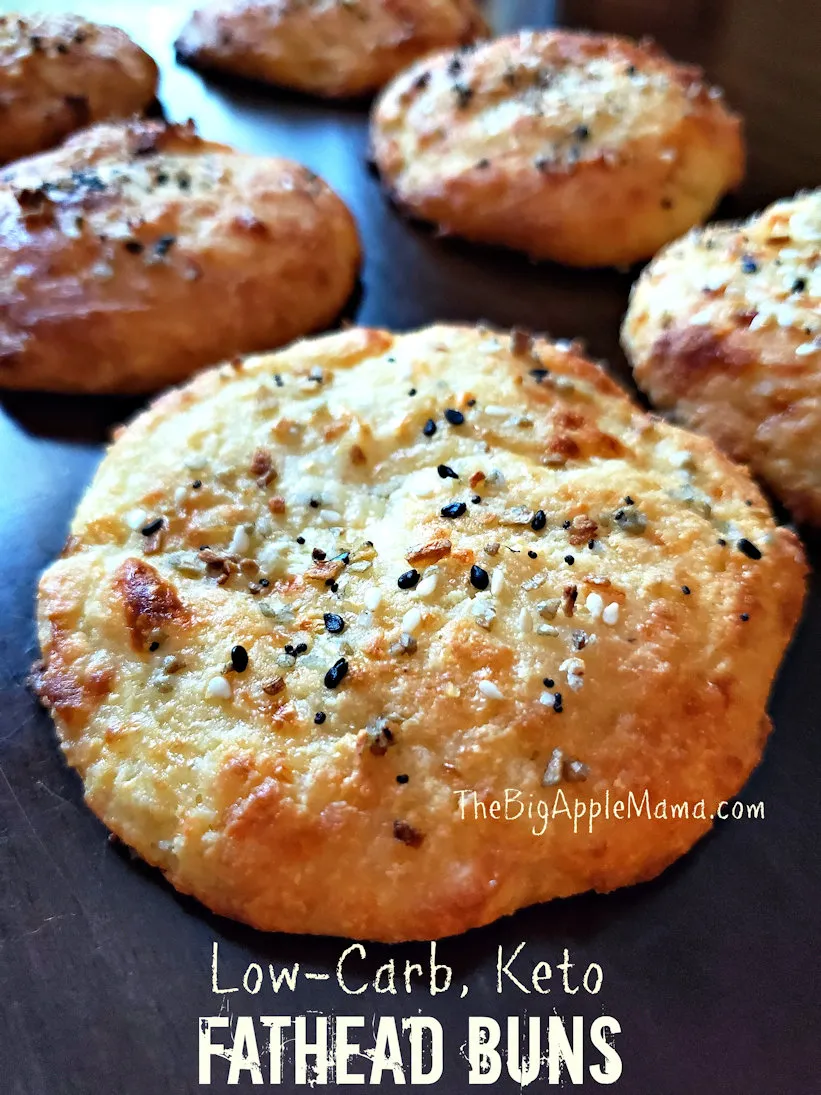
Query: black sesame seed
{"x": 412, "y": 391}
{"x": 483, "y": 164}
{"x": 333, "y": 586}
{"x": 548, "y": 682}
{"x": 408, "y": 580}
{"x": 300, "y": 648}
{"x": 446, "y": 473}
{"x": 749, "y": 266}
{"x": 721, "y": 542}
{"x": 557, "y": 702}
{"x": 532, "y": 555}
{"x": 685, "y": 590}
{"x": 333, "y": 623}
{"x": 631, "y": 70}
{"x": 454, "y": 510}
{"x": 570, "y": 560}
{"x": 591, "y": 544}
{"x": 744, "y": 617}
{"x": 154, "y": 526}
{"x": 336, "y": 674}
{"x": 317, "y": 555}
{"x": 748, "y": 549}
{"x": 264, "y": 582}
{"x": 476, "y": 499}
{"x": 320, "y": 717}
{"x": 163, "y": 246}
{"x": 300, "y": 539}
{"x": 429, "y": 429}
{"x": 402, "y": 779}
{"x": 581, "y": 133}
{"x": 539, "y": 374}
{"x": 134, "y": 247}
{"x": 565, "y": 524}
{"x": 278, "y": 380}
{"x": 538, "y": 521}
{"x": 239, "y": 659}
{"x": 479, "y": 578}
{"x": 314, "y": 503}
{"x": 628, "y": 501}
{"x": 154, "y": 646}
{"x": 799, "y": 285}
{"x": 196, "y": 484}
{"x": 456, "y": 418}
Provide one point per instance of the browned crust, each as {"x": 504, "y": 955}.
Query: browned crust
{"x": 343, "y": 51}
{"x": 534, "y": 188}
{"x": 113, "y": 248}
{"x": 61, "y": 73}
{"x": 261, "y": 811}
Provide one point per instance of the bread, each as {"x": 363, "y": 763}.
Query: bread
{"x": 724, "y": 331}
{"x": 59, "y": 73}
{"x": 283, "y": 635}
{"x": 332, "y": 48}
{"x": 138, "y": 253}
{"x": 584, "y": 149}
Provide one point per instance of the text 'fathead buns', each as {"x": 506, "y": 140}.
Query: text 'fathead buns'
{"x": 333, "y": 48}
{"x": 59, "y": 73}
{"x": 585, "y": 149}
{"x": 308, "y": 601}
{"x": 135, "y": 254}
{"x": 724, "y": 328}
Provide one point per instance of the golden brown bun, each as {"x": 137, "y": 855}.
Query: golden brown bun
{"x": 135, "y": 254}
{"x": 315, "y": 466}
{"x": 333, "y": 48}
{"x": 724, "y": 329}
{"x": 585, "y": 149}
{"x": 59, "y": 73}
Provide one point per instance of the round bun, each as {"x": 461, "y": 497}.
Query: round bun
{"x": 337, "y": 49}
{"x": 724, "y": 330}
{"x": 580, "y": 148}
{"x": 59, "y": 73}
{"x": 309, "y": 600}
{"x": 137, "y": 253}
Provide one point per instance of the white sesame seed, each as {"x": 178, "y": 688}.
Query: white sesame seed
{"x": 611, "y": 613}
{"x": 547, "y": 698}
{"x": 218, "y": 688}
{"x": 547, "y": 629}
{"x": 806, "y": 348}
{"x": 525, "y": 622}
{"x": 240, "y": 542}
{"x": 330, "y": 516}
{"x": 497, "y": 580}
{"x": 181, "y": 492}
{"x": 361, "y": 566}
{"x": 372, "y": 598}
{"x": 427, "y": 585}
{"x": 489, "y": 689}
{"x": 136, "y": 519}
{"x": 594, "y": 604}
{"x": 411, "y": 620}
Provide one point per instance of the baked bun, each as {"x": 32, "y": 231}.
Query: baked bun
{"x": 580, "y": 148}
{"x": 724, "y": 330}
{"x": 137, "y": 253}
{"x": 308, "y": 600}
{"x": 59, "y": 73}
{"x": 337, "y": 48}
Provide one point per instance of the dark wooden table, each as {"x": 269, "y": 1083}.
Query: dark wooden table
{"x": 711, "y": 970}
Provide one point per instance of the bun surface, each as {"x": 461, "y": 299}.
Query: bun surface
{"x": 724, "y": 330}
{"x": 136, "y": 254}
{"x": 60, "y": 73}
{"x": 331, "y": 48}
{"x": 310, "y": 599}
{"x": 585, "y": 149}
